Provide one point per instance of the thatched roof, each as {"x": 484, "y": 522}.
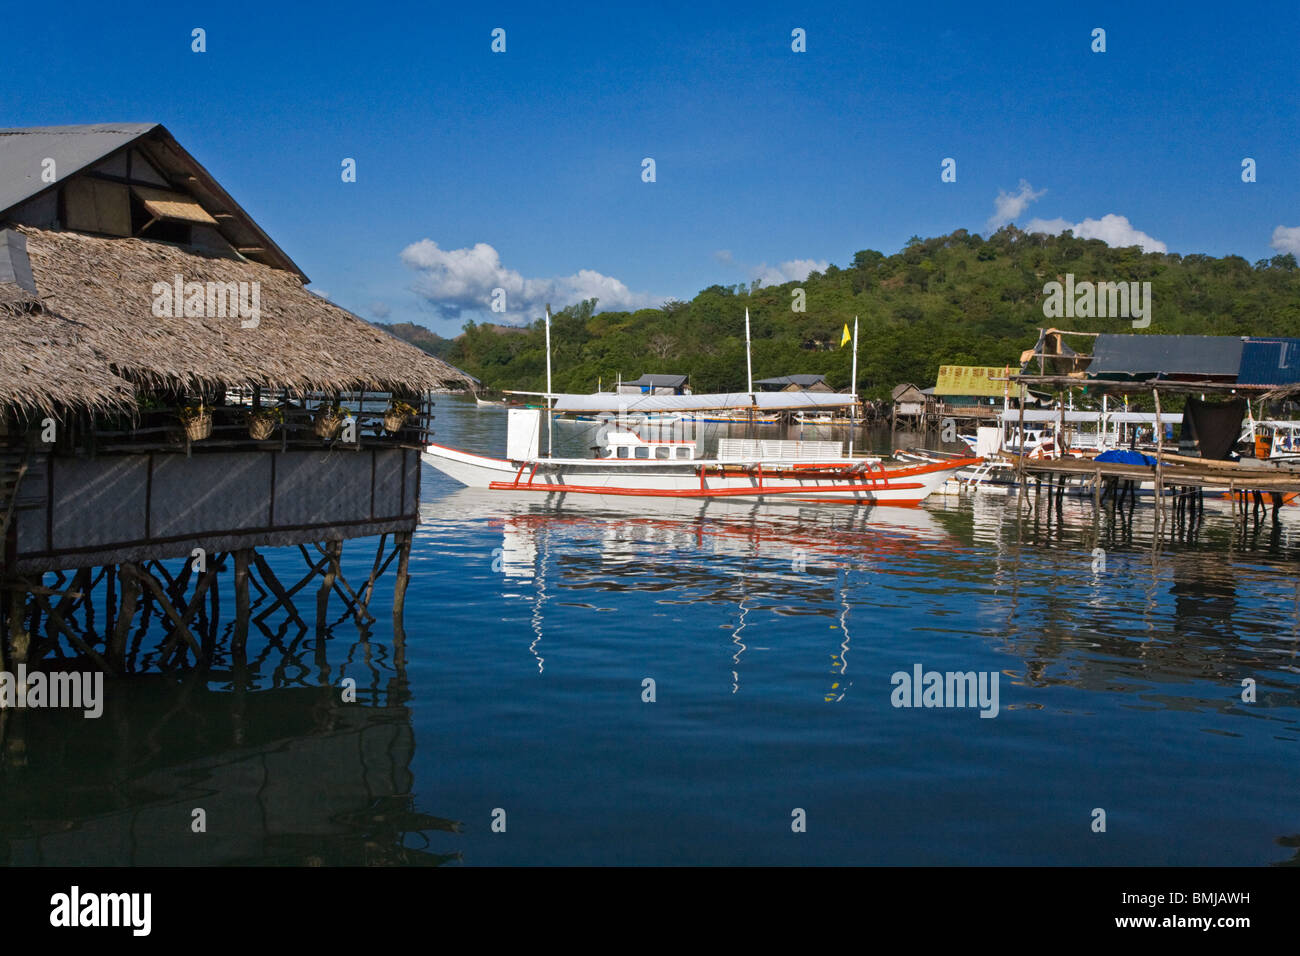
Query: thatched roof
{"x": 44, "y": 364}
{"x": 95, "y": 327}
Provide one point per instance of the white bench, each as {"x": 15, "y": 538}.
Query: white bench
{"x": 750, "y": 449}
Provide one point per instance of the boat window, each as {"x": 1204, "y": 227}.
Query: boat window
{"x": 642, "y": 451}
{"x": 683, "y": 452}
{"x": 622, "y": 451}
{"x": 663, "y": 451}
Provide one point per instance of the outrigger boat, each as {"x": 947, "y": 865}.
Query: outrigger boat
{"x": 627, "y": 464}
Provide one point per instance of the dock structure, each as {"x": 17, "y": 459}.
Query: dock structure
{"x": 170, "y": 389}
{"x": 1215, "y": 376}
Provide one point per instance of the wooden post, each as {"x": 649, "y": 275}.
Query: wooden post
{"x": 110, "y": 599}
{"x": 19, "y": 639}
{"x": 214, "y": 614}
{"x": 240, "y": 636}
{"x": 1020, "y": 454}
{"x": 122, "y": 624}
{"x": 403, "y": 575}
{"x": 332, "y": 550}
{"x": 1160, "y": 474}
{"x": 1059, "y": 450}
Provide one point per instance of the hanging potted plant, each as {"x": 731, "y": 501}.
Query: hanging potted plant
{"x": 262, "y": 422}
{"x": 329, "y": 419}
{"x": 398, "y": 414}
{"x": 197, "y": 420}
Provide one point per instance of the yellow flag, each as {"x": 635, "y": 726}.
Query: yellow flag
{"x": 845, "y": 339}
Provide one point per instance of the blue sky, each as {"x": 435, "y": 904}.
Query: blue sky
{"x": 523, "y": 169}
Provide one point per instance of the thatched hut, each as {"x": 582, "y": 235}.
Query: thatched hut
{"x": 126, "y": 211}
{"x": 155, "y": 340}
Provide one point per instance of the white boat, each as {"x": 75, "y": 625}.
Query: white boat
{"x": 626, "y": 464}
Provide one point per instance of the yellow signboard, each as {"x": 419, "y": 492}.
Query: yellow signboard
{"x": 986, "y": 382}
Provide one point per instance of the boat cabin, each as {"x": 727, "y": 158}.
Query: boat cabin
{"x": 625, "y": 444}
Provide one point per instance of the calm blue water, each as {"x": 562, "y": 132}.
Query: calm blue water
{"x": 771, "y": 636}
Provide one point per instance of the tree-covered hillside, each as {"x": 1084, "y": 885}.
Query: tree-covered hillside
{"x": 953, "y": 300}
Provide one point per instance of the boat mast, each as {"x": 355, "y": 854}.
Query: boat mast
{"x": 550, "y": 423}
{"x": 853, "y": 388}
{"x": 749, "y": 363}
{"x": 749, "y": 376}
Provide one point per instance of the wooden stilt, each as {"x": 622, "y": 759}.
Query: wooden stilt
{"x": 351, "y": 601}
{"x": 403, "y": 575}
{"x": 281, "y": 596}
{"x": 240, "y": 637}
{"x": 59, "y": 623}
{"x": 214, "y": 613}
{"x": 1160, "y": 474}
{"x": 323, "y": 595}
{"x": 180, "y": 623}
{"x": 369, "y": 586}
{"x": 314, "y": 568}
{"x": 110, "y": 599}
{"x": 18, "y": 636}
{"x": 122, "y": 626}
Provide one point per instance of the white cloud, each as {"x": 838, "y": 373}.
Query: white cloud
{"x": 1051, "y": 227}
{"x": 1111, "y": 229}
{"x": 380, "y": 310}
{"x": 459, "y": 280}
{"x": 1008, "y": 206}
{"x": 792, "y": 270}
{"x": 1287, "y": 239}
{"x": 724, "y": 256}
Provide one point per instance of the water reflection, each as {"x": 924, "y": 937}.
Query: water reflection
{"x": 793, "y": 561}
{"x": 282, "y": 776}
{"x": 297, "y": 752}
{"x": 1074, "y": 601}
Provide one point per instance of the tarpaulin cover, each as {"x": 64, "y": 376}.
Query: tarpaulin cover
{"x": 1122, "y": 457}
{"x": 1215, "y": 426}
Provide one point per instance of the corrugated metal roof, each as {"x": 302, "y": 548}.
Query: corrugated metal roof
{"x": 1270, "y": 362}
{"x": 73, "y": 148}
{"x": 1165, "y": 356}
{"x": 802, "y": 379}
{"x": 660, "y": 381}
{"x": 973, "y": 380}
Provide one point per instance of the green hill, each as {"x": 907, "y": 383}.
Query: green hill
{"x": 953, "y": 300}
